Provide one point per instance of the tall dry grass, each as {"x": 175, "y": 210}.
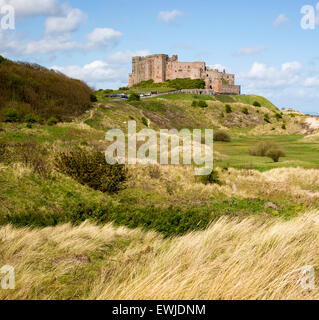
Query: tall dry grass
{"x": 233, "y": 259}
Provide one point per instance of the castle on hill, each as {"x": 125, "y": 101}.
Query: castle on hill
{"x": 160, "y": 67}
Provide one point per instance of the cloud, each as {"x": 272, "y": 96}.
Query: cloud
{"x": 30, "y": 8}
{"x": 126, "y": 57}
{"x": 169, "y": 17}
{"x": 68, "y": 23}
{"x": 103, "y": 38}
{"x": 281, "y": 19}
{"x": 250, "y": 51}
{"x": 109, "y": 73}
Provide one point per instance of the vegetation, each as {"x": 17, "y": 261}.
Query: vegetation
{"x": 228, "y": 108}
{"x": 262, "y": 148}
{"x": 256, "y": 104}
{"x": 245, "y": 111}
{"x": 275, "y": 154}
{"x": 177, "y": 84}
{"x": 91, "y": 169}
{"x": 222, "y": 136}
{"x": 28, "y": 88}
{"x": 134, "y": 97}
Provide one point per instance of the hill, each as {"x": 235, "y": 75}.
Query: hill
{"x": 30, "y": 89}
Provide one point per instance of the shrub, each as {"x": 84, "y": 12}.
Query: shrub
{"x": 194, "y": 103}
{"x": 134, "y": 97}
{"x": 91, "y": 169}
{"x": 275, "y": 154}
{"x": 30, "y": 153}
{"x": 256, "y": 104}
{"x": 144, "y": 121}
{"x": 222, "y": 136}
{"x": 53, "y": 121}
{"x": 222, "y": 115}
{"x": 267, "y": 118}
{"x": 283, "y": 126}
{"x": 262, "y": 148}
{"x": 245, "y": 111}
{"x": 278, "y": 116}
{"x": 202, "y": 104}
{"x": 212, "y": 178}
{"x": 228, "y": 108}
{"x": 93, "y": 98}
{"x": 29, "y": 126}
{"x": 11, "y": 115}
{"x": 30, "y": 118}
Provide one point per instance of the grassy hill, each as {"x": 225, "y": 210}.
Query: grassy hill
{"x": 151, "y": 239}
{"x": 34, "y": 91}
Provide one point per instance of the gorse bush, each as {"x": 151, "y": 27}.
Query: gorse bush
{"x": 275, "y": 154}
{"x": 134, "y": 97}
{"x": 267, "y": 149}
{"x": 245, "y": 111}
{"x": 212, "y": 178}
{"x": 202, "y": 104}
{"x": 228, "y": 108}
{"x": 52, "y": 121}
{"x": 45, "y": 93}
{"x": 256, "y": 104}
{"x": 222, "y": 136}
{"x": 91, "y": 169}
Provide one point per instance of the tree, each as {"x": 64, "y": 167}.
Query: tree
{"x": 275, "y": 154}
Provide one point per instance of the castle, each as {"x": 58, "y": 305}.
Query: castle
{"x": 160, "y": 67}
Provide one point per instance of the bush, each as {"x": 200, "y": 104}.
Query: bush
{"x": 53, "y": 121}
{"x": 228, "y": 108}
{"x": 194, "y": 103}
{"x": 222, "y": 136}
{"x": 267, "y": 118}
{"x": 202, "y": 104}
{"x": 11, "y": 115}
{"x": 134, "y": 97}
{"x": 245, "y": 111}
{"x": 256, "y": 104}
{"x": 212, "y": 178}
{"x": 283, "y": 126}
{"x": 275, "y": 154}
{"x": 30, "y": 118}
{"x": 30, "y": 153}
{"x": 93, "y": 98}
{"x": 278, "y": 116}
{"x": 91, "y": 169}
{"x": 262, "y": 148}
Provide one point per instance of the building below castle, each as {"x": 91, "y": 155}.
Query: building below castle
{"x": 160, "y": 67}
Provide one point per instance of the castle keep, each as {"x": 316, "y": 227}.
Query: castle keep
{"x": 160, "y": 67}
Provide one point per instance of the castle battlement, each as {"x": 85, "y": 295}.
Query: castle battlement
{"x": 160, "y": 67}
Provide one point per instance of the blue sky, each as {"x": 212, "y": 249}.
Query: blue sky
{"x": 262, "y": 42}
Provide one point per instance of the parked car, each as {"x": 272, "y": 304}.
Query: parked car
{"x": 141, "y": 95}
{"x": 147, "y": 95}
{"x": 154, "y": 92}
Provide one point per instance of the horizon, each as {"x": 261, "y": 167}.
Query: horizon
{"x": 263, "y": 44}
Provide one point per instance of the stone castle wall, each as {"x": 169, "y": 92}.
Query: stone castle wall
{"x": 161, "y": 67}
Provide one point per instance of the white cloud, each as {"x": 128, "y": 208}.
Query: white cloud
{"x": 103, "y": 38}
{"x": 169, "y": 17}
{"x": 281, "y": 19}
{"x": 29, "y": 8}
{"x": 126, "y": 57}
{"x": 109, "y": 73}
{"x": 250, "y": 51}
{"x": 312, "y": 82}
{"x": 68, "y": 23}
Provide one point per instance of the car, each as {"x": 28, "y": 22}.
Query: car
{"x": 154, "y": 92}
{"x": 148, "y": 95}
{"x": 141, "y": 95}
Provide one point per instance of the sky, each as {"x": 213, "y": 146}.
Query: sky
{"x": 262, "y": 42}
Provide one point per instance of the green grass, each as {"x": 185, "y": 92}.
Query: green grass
{"x": 298, "y": 153}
